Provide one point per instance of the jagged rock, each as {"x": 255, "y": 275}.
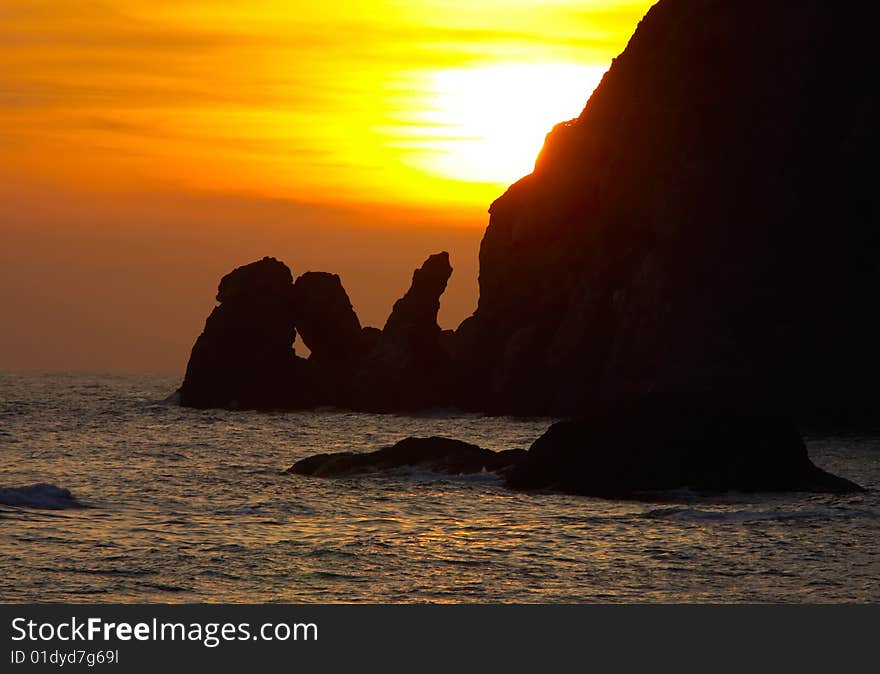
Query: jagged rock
{"x": 325, "y": 319}
{"x": 709, "y": 223}
{"x": 244, "y": 358}
{"x": 442, "y": 455}
{"x": 650, "y": 445}
{"x": 408, "y": 368}
{"x": 413, "y": 321}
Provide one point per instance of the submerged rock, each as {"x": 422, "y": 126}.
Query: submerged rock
{"x": 652, "y": 445}
{"x": 442, "y": 455}
{"x": 244, "y": 358}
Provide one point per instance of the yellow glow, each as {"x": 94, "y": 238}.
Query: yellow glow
{"x": 487, "y": 124}
{"x": 428, "y": 103}
{"x": 160, "y": 143}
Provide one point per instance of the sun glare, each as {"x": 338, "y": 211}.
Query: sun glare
{"x": 487, "y": 124}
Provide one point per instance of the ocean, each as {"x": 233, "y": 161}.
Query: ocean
{"x": 182, "y": 505}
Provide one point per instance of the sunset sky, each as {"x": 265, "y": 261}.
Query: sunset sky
{"x": 149, "y": 146}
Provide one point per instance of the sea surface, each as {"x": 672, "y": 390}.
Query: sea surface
{"x": 194, "y": 506}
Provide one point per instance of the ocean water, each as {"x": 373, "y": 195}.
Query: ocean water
{"x": 193, "y": 506}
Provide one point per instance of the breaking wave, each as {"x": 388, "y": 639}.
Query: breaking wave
{"x": 43, "y": 496}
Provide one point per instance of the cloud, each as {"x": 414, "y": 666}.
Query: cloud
{"x": 288, "y": 96}
{"x": 159, "y": 143}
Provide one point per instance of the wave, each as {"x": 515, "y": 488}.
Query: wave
{"x": 41, "y": 495}
{"x": 424, "y": 474}
{"x": 697, "y": 515}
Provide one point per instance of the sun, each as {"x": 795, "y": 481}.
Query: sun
{"x": 487, "y": 124}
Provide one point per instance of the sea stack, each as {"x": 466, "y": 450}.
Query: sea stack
{"x": 244, "y": 358}
{"x": 408, "y": 368}
{"x": 326, "y": 321}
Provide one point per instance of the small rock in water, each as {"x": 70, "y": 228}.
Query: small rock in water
{"x": 41, "y": 495}
{"x": 443, "y": 455}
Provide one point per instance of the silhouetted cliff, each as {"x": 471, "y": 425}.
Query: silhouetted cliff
{"x": 709, "y": 224}
{"x": 706, "y": 229}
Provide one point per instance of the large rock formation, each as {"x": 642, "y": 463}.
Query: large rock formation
{"x": 244, "y": 358}
{"x": 650, "y": 445}
{"x": 706, "y": 230}
{"x": 708, "y": 224}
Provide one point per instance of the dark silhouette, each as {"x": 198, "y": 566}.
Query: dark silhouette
{"x": 244, "y": 358}
{"x": 705, "y": 230}
{"x": 627, "y": 450}
{"x": 408, "y": 369}
{"x": 442, "y": 455}
{"x": 659, "y": 445}
{"x": 326, "y": 321}
{"x": 708, "y": 224}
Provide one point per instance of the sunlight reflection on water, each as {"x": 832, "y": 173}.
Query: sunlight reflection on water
{"x": 194, "y": 506}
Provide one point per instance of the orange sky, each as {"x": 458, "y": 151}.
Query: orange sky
{"x": 149, "y": 146}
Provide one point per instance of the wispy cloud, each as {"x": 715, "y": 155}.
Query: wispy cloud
{"x": 158, "y": 143}
{"x": 260, "y": 95}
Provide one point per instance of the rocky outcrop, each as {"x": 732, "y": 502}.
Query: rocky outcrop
{"x": 408, "y": 368}
{"x": 441, "y": 455}
{"x": 705, "y": 232}
{"x": 411, "y": 331}
{"x": 708, "y": 224}
{"x": 659, "y": 445}
{"x": 628, "y": 450}
{"x": 244, "y": 358}
{"x": 329, "y": 327}
{"x": 325, "y": 319}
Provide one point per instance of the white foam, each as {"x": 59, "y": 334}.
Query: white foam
{"x": 424, "y": 473}
{"x": 45, "y": 496}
